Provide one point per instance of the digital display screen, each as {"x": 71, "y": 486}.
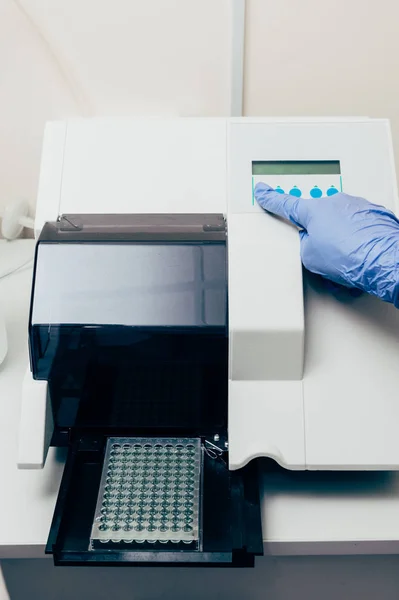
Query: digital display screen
{"x": 296, "y": 167}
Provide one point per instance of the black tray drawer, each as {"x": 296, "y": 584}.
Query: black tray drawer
{"x": 230, "y": 517}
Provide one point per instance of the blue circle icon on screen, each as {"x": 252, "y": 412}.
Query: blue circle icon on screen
{"x": 295, "y": 191}
{"x": 279, "y": 190}
{"x": 332, "y": 190}
{"x": 316, "y": 192}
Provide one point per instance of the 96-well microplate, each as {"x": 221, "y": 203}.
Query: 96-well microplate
{"x": 149, "y": 492}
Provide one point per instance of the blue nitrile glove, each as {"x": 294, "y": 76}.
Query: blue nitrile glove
{"x": 343, "y": 238}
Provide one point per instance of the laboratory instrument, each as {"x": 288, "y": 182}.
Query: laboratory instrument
{"x": 170, "y": 315}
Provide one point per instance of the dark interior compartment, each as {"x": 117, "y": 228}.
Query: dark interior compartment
{"x": 113, "y": 378}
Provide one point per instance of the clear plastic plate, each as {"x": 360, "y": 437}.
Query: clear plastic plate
{"x": 149, "y": 491}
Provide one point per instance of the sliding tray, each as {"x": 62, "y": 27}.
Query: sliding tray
{"x": 147, "y": 501}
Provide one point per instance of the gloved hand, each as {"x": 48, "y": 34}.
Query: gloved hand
{"x": 346, "y": 239}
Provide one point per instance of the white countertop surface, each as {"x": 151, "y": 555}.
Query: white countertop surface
{"x": 303, "y": 512}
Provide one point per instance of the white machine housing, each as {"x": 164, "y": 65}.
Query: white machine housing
{"x": 313, "y": 378}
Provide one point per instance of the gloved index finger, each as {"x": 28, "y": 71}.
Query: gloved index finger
{"x": 289, "y": 207}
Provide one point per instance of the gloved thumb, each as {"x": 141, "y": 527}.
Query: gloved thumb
{"x": 289, "y": 207}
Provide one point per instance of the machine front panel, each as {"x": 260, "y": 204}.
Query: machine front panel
{"x": 350, "y": 378}
{"x": 308, "y": 158}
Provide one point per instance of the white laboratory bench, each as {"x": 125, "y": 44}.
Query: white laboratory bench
{"x": 304, "y": 513}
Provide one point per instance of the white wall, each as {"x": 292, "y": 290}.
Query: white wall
{"x": 100, "y": 57}
{"x": 323, "y": 57}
